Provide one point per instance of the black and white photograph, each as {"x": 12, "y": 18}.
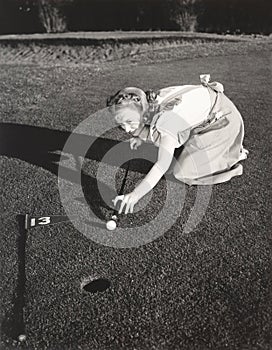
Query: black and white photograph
{"x": 135, "y": 168}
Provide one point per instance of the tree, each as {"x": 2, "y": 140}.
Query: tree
{"x": 182, "y": 13}
{"x": 52, "y": 19}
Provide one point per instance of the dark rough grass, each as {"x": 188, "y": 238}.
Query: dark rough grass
{"x": 207, "y": 289}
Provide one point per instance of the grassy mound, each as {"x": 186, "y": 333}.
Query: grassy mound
{"x": 87, "y": 48}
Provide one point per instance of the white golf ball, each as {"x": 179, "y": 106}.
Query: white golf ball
{"x": 111, "y": 225}
{"x": 22, "y": 337}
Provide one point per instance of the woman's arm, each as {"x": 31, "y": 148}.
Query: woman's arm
{"x": 165, "y": 156}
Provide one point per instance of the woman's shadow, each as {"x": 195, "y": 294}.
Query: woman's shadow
{"x": 42, "y": 147}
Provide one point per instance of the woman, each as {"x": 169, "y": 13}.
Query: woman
{"x": 198, "y": 117}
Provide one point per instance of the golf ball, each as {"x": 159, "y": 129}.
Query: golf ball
{"x": 111, "y": 225}
{"x": 22, "y": 337}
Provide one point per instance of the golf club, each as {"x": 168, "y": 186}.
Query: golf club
{"x": 112, "y": 223}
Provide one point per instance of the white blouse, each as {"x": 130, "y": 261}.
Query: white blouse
{"x": 192, "y": 104}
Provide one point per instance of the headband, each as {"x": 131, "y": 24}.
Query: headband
{"x": 131, "y": 94}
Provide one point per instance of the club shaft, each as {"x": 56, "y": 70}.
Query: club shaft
{"x": 121, "y": 191}
{"x": 124, "y": 180}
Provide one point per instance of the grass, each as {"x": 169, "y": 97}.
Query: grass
{"x": 208, "y": 289}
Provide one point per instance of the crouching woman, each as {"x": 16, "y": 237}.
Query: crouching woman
{"x": 201, "y": 118}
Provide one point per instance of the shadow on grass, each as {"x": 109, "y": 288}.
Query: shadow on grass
{"x": 36, "y": 145}
{"x": 13, "y": 325}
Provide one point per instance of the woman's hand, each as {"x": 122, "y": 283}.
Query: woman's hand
{"x": 128, "y": 200}
{"x": 135, "y": 142}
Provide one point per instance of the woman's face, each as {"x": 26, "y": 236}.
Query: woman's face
{"x": 129, "y": 120}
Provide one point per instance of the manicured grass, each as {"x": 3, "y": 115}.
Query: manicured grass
{"x": 207, "y": 289}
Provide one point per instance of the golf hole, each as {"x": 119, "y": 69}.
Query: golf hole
{"x": 95, "y": 285}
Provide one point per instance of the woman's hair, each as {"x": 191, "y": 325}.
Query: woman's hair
{"x": 131, "y": 98}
